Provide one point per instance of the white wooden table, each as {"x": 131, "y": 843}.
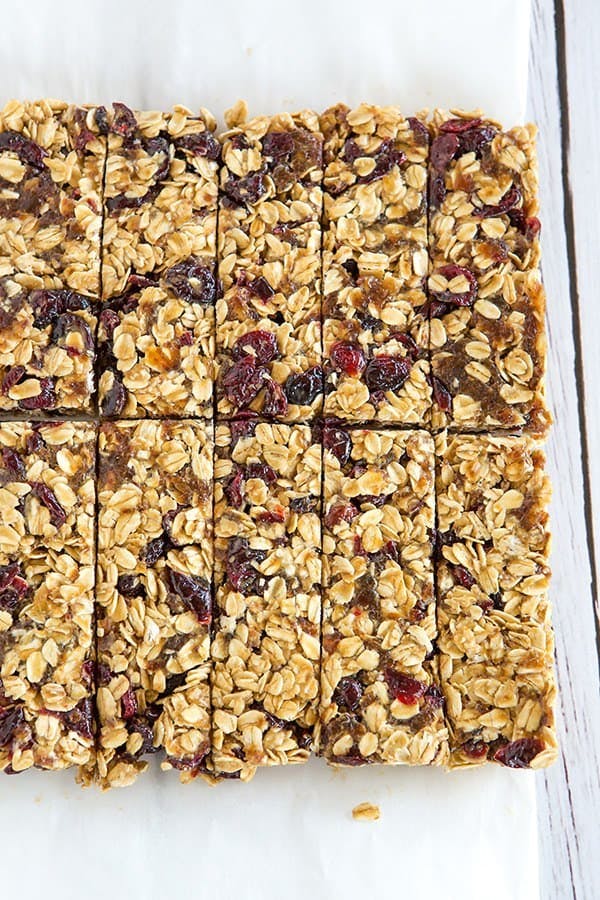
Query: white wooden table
{"x": 563, "y": 100}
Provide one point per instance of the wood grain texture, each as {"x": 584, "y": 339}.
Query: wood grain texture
{"x": 569, "y": 793}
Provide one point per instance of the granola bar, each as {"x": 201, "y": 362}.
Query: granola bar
{"x": 268, "y": 319}
{"x": 154, "y": 596}
{"x": 495, "y": 641}
{"x": 486, "y": 300}
{"x": 51, "y": 170}
{"x": 266, "y": 648}
{"x": 159, "y": 282}
{"x": 380, "y": 699}
{"x": 375, "y": 328}
{"x": 47, "y": 497}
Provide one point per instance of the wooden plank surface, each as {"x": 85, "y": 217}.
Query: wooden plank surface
{"x": 564, "y": 70}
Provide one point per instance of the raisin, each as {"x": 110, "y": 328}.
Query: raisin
{"x": 348, "y": 693}
{"x": 130, "y": 586}
{"x": 387, "y": 373}
{"x": 156, "y": 549}
{"x": 351, "y": 267}
{"x": 303, "y": 388}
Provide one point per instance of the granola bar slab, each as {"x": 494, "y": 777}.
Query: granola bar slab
{"x": 51, "y": 170}
{"x": 486, "y": 300}
{"x": 154, "y": 596}
{"x": 495, "y": 641}
{"x": 375, "y": 326}
{"x": 47, "y": 497}
{"x": 265, "y": 651}
{"x": 380, "y": 695}
{"x": 268, "y": 319}
{"x": 159, "y": 281}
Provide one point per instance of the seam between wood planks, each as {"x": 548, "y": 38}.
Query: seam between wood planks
{"x": 569, "y": 220}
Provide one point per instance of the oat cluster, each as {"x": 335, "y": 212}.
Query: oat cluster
{"x": 271, "y": 423}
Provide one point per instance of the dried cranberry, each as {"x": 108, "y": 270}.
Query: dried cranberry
{"x": 155, "y": 146}
{"x": 303, "y": 388}
{"x": 192, "y": 764}
{"x": 262, "y": 345}
{"x": 338, "y": 442}
{"x": 244, "y": 426}
{"x": 443, "y": 150}
{"x": 475, "y": 749}
{"x": 278, "y": 144}
{"x": 519, "y": 754}
{"x": 67, "y": 323}
{"x": 462, "y": 576}
{"x": 11, "y": 720}
{"x": 386, "y": 158}
{"x": 403, "y": 687}
{"x": 243, "y": 381}
{"x": 387, "y": 373}
{"x": 408, "y": 342}
{"x": 436, "y": 191}
{"x": 156, "y": 548}
{"x": 348, "y": 358}
{"x": 262, "y": 471}
{"x": 275, "y": 402}
{"x": 13, "y": 462}
{"x": 419, "y": 130}
{"x": 303, "y": 504}
{"x": 195, "y": 593}
{"x": 46, "y": 399}
{"x": 433, "y": 697}
{"x": 340, "y": 512}
{"x": 45, "y": 495}
{"x": 272, "y": 516}
{"x": 81, "y": 719}
{"x": 496, "y": 600}
{"x": 467, "y": 298}
{"x": 130, "y": 586}
{"x": 124, "y": 122}
{"x": 457, "y": 126}
{"x": 246, "y": 190}
{"x": 474, "y": 139}
{"x": 34, "y": 441}
{"x": 234, "y": 489}
{"x": 241, "y": 573}
{"x": 441, "y": 395}
{"x": 109, "y": 319}
{"x": 113, "y": 402}
{"x": 27, "y": 151}
{"x": 202, "y": 144}
{"x": 101, "y": 119}
{"x": 11, "y": 377}
{"x": 348, "y": 693}
{"x": 129, "y": 704}
{"x": 139, "y": 725}
{"x": 193, "y": 281}
{"x": 510, "y": 199}
{"x": 528, "y": 225}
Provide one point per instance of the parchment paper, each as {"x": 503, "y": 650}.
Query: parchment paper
{"x": 289, "y": 834}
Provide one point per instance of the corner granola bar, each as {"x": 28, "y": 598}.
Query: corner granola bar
{"x": 380, "y": 700}
{"x": 268, "y": 319}
{"x": 375, "y": 329}
{"x": 496, "y": 646}
{"x": 154, "y": 596}
{"x": 47, "y": 497}
{"x": 265, "y": 651}
{"x": 159, "y": 282}
{"x": 486, "y": 301}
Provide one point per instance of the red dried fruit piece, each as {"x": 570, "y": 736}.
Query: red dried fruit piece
{"x": 386, "y": 158}
{"x": 34, "y": 441}
{"x": 510, "y": 199}
{"x": 45, "y": 495}
{"x": 262, "y": 471}
{"x": 80, "y": 719}
{"x": 261, "y": 345}
{"x": 193, "y": 764}
{"x": 457, "y": 126}
{"x": 130, "y": 586}
{"x": 244, "y": 426}
{"x": 243, "y": 380}
{"x": 46, "y": 399}
{"x": 261, "y": 288}
{"x": 475, "y": 749}
{"x": 443, "y": 150}
{"x": 408, "y": 343}
{"x": 529, "y": 226}
{"x": 441, "y": 395}
{"x": 462, "y": 576}
{"x": 433, "y": 697}
{"x": 234, "y": 489}
{"x": 124, "y": 122}
{"x": 138, "y": 725}
{"x": 129, "y": 704}
{"x": 467, "y": 298}
{"x": 519, "y": 754}
{"x": 193, "y": 281}
{"x": 340, "y": 512}
{"x": 474, "y": 139}
{"x": 13, "y": 462}
{"x": 419, "y": 130}
{"x": 387, "y": 373}
{"x": 11, "y": 720}
{"x": 156, "y": 548}
{"x": 348, "y": 358}
{"x": 304, "y": 388}
{"x": 275, "y": 402}
{"x": 436, "y": 191}
{"x": 246, "y": 190}
{"x": 195, "y": 593}
{"x": 272, "y": 516}
{"x": 202, "y": 144}
{"x": 109, "y": 319}
{"x": 303, "y": 504}
{"x": 403, "y": 687}
{"x": 11, "y": 377}
{"x": 27, "y": 151}
{"x": 241, "y": 572}
{"x": 338, "y": 442}
{"x": 67, "y": 323}
{"x": 348, "y": 693}
{"x": 113, "y": 402}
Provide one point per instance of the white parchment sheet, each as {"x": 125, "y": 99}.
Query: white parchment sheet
{"x": 289, "y": 834}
